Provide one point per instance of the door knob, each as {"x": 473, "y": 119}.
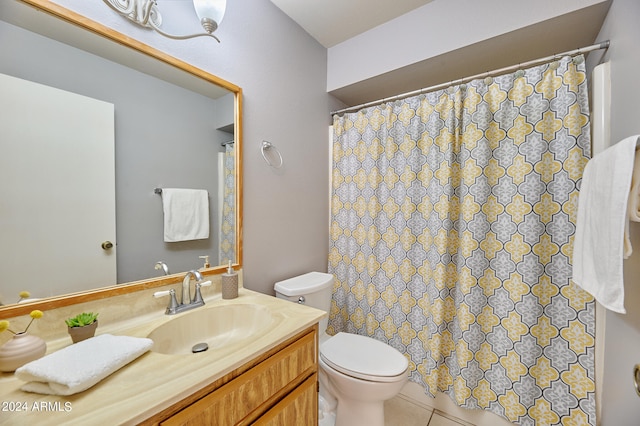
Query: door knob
{"x": 107, "y": 245}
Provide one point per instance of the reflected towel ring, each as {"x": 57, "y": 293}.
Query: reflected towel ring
{"x": 268, "y": 145}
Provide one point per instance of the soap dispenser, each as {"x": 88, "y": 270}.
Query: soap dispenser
{"x": 230, "y": 283}
{"x": 206, "y": 261}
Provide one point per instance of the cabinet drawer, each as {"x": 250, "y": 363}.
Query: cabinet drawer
{"x": 299, "y": 408}
{"x": 251, "y": 394}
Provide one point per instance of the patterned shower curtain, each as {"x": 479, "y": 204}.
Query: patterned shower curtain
{"x": 453, "y": 218}
{"x": 228, "y": 222}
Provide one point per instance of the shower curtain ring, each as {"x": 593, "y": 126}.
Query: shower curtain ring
{"x": 268, "y": 145}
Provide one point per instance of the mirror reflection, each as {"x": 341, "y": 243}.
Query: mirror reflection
{"x": 83, "y": 191}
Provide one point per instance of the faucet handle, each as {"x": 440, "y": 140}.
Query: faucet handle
{"x": 198, "y": 298}
{"x": 159, "y": 294}
{"x": 173, "y": 302}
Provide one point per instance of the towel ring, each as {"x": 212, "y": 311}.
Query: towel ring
{"x": 268, "y": 145}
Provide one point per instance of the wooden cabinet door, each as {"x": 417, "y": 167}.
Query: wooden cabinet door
{"x": 299, "y": 408}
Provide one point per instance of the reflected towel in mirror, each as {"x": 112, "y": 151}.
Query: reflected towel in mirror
{"x": 186, "y": 214}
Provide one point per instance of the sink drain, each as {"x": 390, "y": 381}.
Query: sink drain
{"x": 199, "y": 347}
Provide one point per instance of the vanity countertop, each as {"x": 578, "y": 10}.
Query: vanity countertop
{"x": 154, "y": 381}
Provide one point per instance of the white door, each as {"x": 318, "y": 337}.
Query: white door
{"x": 57, "y": 191}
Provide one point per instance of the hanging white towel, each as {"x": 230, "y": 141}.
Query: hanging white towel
{"x": 633, "y": 209}
{"x": 78, "y": 367}
{"x": 186, "y": 214}
{"x": 602, "y": 237}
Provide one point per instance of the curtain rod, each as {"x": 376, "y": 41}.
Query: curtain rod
{"x": 597, "y": 46}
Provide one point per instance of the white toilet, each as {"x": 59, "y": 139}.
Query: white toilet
{"x": 357, "y": 372}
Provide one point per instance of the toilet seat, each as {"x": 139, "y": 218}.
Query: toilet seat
{"x": 363, "y": 358}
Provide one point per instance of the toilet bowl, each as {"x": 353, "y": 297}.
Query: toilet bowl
{"x": 361, "y": 373}
{"x": 357, "y": 373}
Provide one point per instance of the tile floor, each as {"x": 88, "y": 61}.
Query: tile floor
{"x": 400, "y": 411}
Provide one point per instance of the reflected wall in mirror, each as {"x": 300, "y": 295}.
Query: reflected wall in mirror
{"x": 175, "y": 127}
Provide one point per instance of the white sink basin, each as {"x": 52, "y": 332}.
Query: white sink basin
{"x": 220, "y": 327}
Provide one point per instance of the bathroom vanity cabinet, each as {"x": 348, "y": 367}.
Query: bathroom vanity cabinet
{"x": 278, "y": 387}
{"x": 268, "y": 379}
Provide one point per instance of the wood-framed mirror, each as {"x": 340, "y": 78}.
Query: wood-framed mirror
{"x": 143, "y": 160}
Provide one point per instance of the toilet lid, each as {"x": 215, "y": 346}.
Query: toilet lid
{"x": 363, "y": 357}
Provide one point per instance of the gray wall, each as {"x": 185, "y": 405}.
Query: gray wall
{"x": 165, "y": 136}
{"x": 621, "y": 405}
{"x": 282, "y": 71}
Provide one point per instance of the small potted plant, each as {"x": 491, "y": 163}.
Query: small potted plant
{"x": 82, "y": 326}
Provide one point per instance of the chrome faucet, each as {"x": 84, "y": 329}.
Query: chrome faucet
{"x": 185, "y": 303}
{"x": 163, "y": 266}
{"x": 186, "y": 294}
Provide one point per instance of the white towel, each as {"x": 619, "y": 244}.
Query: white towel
{"x": 186, "y": 214}
{"x": 78, "y": 367}
{"x": 633, "y": 208}
{"x": 602, "y": 225}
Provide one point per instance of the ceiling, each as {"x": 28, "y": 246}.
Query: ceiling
{"x": 334, "y": 21}
{"x": 321, "y": 19}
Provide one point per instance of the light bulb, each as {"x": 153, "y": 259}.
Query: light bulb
{"x": 210, "y": 13}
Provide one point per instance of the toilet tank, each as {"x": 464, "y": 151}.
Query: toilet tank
{"x": 312, "y": 289}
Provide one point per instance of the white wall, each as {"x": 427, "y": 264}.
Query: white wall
{"x": 282, "y": 72}
{"x": 621, "y": 405}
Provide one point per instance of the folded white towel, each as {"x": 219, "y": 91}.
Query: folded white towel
{"x": 599, "y": 243}
{"x": 186, "y": 214}
{"x": 78, "y": 367}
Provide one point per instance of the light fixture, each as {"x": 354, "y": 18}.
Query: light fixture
{"x": 146, "y": 14}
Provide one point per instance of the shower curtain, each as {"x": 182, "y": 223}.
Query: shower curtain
{"x": 228, "y": 217}
{"x": 452, "y": 222}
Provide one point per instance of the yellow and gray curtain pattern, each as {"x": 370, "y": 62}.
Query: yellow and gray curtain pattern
{"x": 452, "y": 221}
{"x": 228, "y": 223}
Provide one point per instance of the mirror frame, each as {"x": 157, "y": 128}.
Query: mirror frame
{"x": 85, "y": 23}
